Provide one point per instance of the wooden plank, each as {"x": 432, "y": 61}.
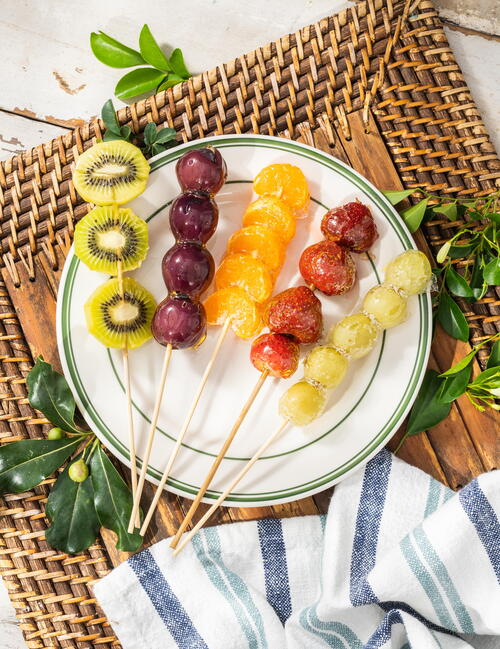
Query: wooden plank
{"x": 18, "y": 134}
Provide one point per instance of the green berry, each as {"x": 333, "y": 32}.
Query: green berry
{"x": 56, "y": 433}
{"x": 326, "y": 366}
{"x": 386, "y": 305}
{"x": 302, "y": 403}
{"x": 78, "y": 471}
{"x": 409, "y": 272}
{"x": 355, "y": 335}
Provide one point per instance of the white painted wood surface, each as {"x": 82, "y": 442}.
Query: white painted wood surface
{"x": 50, "y": 79}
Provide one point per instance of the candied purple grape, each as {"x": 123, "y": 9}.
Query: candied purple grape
{"x": 202, "y": 170}
{"x": 180, "y": 322}
{"x": 193, "y": 217}
{"x": 187, "y": 268}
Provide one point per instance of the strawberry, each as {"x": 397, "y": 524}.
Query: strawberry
{"x": 296, "y": 312}
{"x": 351, "y": 225}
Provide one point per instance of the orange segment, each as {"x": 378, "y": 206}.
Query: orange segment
{"x": 274, "y": 214}
{"x": 260, "y": 242}
{"x": 247, "y": 272}
{"x": 284, "y": 181}
{"x": 235, "y": 303}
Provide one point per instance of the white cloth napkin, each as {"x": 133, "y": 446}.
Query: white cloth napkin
{"x": 400, "y": 561}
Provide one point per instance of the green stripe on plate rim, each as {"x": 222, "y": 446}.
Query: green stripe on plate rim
{"x": 423, "y": 343}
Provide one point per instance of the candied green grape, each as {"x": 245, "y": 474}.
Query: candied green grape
{"x": 355, "y": 335}
{"x": 302, "y": 403}
{"x": 386, "y": 305}
{"x": 410, "y": 272}
{"x": 326, "y": 366}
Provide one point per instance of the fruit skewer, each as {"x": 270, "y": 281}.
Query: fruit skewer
{"x": 187, "y": 268}
{"x": 243, "y": 282}
{"x": 296, "y": 312}
{"x": 112, "y": 240}
{"x": 384, "y": 306}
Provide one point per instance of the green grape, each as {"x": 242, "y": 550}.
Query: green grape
{"x": 302, "y": 403}
{"x": 386, "y": 305}
{"x": 410, "y": 272}
{"x": 326, "y": 366}
{"x": 355, "y": 335}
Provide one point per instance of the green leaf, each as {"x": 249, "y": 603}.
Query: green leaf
{"x": 25, "y": 464}
{"x": 452, "y": 319}
{"x": 165, "y": 135}
{"x": 427, "y": 410}
{"x": 455, "y": 385}
{"x": 491, "y": 272}
{"x": 462, "y": 363}
{"x": 177, "y": 64}
{"x": 172, "y": 80}
{"x": 494, "y": 358}
{"x": 477, "y": 283}
{"x": 126, "y": 132}
{"x": 448, "y": 209}
{"x": 457, "y": 284}
{"x": 489, "y": 379}
{"x": 113, "y": 501}
{"x": 109, "y": 136}
{"x": 413, "y": 215}
{"x": 395, "y": 197}
{"x": 109, "y": 117}
{"x": 70, "y": 509}
{"x": 138, "y": 82}
{"x": 151, "y": 51}
{"x": 113, "y": 53}
{"x": 49, "y": 392}
{"x": 462, "y": 250}
{"x": 494, "y": 216}
{"x": 150, "y": 133}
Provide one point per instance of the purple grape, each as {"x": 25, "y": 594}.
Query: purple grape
{"x": 202, "y": 170}
{"x": 187, "y": 268}
{"x": 193, "y": 217}
{"x": 180, "y": 322}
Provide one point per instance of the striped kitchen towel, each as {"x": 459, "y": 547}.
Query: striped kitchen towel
{"x": 400, "y": 561}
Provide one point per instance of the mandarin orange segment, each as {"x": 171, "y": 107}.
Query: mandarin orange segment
{"x": 272, "y": 213}
{"x": 235, "y": 303}
{"x": 260, "y": 242}
{"x": 246, "y": 272}
{"x": 285, "y": 181}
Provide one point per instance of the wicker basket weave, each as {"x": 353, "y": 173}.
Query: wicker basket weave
{"x": 387, "y": 59}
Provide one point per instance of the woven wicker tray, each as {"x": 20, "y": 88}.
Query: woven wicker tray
{"x": 376, "y": 85}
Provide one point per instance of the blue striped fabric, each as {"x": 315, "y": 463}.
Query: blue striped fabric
{"x": 370, "y": 509}
{"x": 166, "y": 603}
{"x": 272, "y": 547}
{"x": 485, "y": 521}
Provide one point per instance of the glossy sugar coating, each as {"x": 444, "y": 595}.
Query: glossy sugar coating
{"x": 285, "y": 181}
{"x": 355, "y": 335}
{"x": 409, "y": 272}
{"x": 274, "y": 214}
{"x": 262, "y": 243}
{"x": 276, "y": 354}
{"x": 248, "y": 273}
{"x": 296, "y": 312}
{"x": 325, "y": 365}
{"x": 235, "y": 303}
{"x": 386, "y": 305}
{"x": 351, "y": 225}
{"x": 328, "y": 267}
{"x": 302, "y": 403}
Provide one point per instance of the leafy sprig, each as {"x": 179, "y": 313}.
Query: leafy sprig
{"x": 89, "y": 493}
{"x": 438, "y": 391}
{"x": 163, "y": 72}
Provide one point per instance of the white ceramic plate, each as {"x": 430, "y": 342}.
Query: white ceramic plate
{"x": 362, "y": 413}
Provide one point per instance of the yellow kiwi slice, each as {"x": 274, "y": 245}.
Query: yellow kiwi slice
{"x": 110, "y": 234}
{"x": 111, "y": 172}
{"x": 120, "y": 320}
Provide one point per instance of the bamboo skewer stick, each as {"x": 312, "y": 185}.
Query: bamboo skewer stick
{"x": 151, "y": 434}
{"x": 219, "y": 458}
{"x": 185, "y": 425}
{"x": 231, "y": 486}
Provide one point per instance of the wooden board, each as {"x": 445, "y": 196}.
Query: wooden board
{"x": 454, "y": 451}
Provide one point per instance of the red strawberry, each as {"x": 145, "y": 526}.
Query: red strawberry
{"x": 296, "y": 312}
{"x": 277, "y": 354}
{"x": 329, "y": 267}
{"x": 351, "y": 225}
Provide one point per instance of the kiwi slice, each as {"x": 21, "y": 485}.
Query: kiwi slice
{"x": 110, "y": 234}
{"x": 120, "y": 320}
{"x": 111, "y": 172}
